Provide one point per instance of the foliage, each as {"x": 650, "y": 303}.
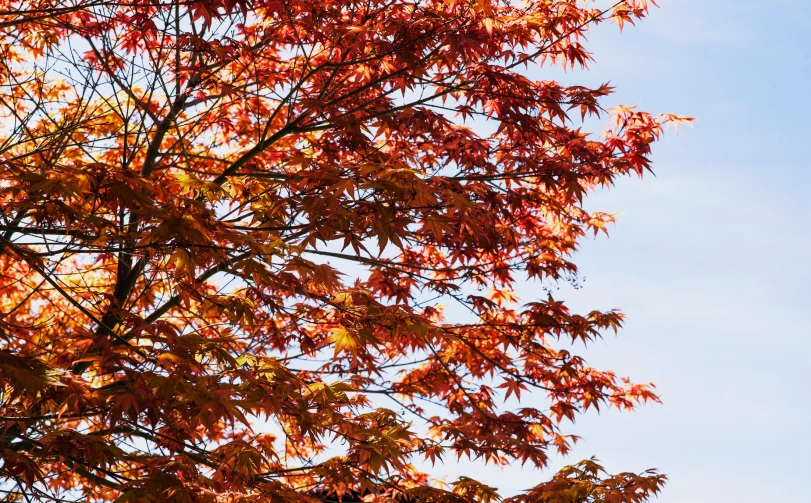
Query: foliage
{"x": 227, "y": 226}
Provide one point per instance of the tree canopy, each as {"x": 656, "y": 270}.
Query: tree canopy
{"x": 228, "y": 228}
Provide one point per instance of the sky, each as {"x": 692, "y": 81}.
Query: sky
{"x": 709, "y": 259}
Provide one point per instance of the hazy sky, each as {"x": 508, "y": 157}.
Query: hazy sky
{"x": 709, "y": 259}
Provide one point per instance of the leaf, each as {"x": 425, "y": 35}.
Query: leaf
{"x": 345, "y": 341}
{"x": 225, "y": 218}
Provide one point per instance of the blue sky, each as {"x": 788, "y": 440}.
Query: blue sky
{"x": 709, "y": 259}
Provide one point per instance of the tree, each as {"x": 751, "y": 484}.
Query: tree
{"x": 227, "y": 226}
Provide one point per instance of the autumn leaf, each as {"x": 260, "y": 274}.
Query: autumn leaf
{"x": 269, "y": 251}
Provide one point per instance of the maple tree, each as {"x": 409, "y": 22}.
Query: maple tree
{"x": 227, "y": 227}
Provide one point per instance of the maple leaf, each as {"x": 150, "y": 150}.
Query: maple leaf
{"x": 228, "y": 217}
